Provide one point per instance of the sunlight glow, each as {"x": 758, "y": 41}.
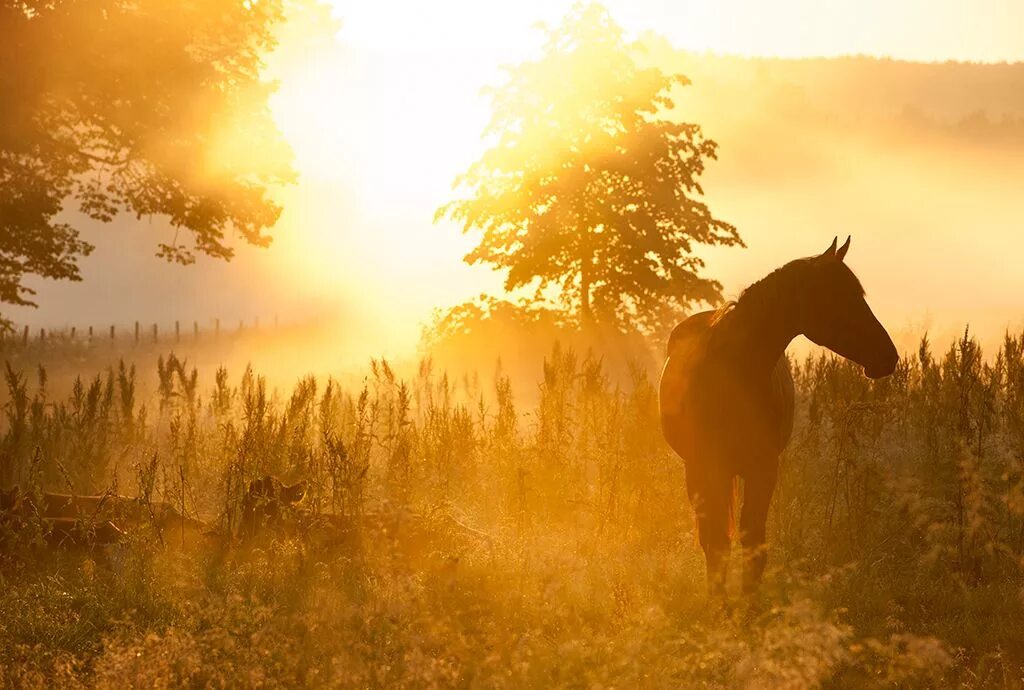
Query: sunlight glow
{"x": 386, "y": 108}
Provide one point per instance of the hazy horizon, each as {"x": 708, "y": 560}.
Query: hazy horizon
{"x": 357, "y": 245}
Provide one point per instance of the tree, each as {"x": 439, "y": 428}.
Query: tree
{"x": 590, "y": 188}
{"x": 151, "y": 107}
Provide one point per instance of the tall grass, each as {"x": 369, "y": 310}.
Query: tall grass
{"x": 474, "y": 543}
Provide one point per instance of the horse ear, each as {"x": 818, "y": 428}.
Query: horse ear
{"x": 841, "y": 252}
{"x": 831, "y": 251}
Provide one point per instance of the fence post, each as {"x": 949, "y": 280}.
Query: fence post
{"x": 177, "y": 332}
{"x": 136, "y": 332}
{"x": 154, "y": 333}
{"x": 195, "y": 330}
{"x": 42, "y": 335}
{"x": 112, "y": 333}
{"x": 216, "y": 327}
{"x": 24, "y": 336}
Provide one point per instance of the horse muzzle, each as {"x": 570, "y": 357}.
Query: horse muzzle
{"x": 884, "y": 366}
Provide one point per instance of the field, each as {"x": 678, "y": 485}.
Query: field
{"x": 493, "y": 546}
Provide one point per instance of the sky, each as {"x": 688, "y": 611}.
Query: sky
{"x": 922, "y": 30}
{"x": 386, "y": 108}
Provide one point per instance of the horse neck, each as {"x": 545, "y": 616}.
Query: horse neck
{"x": 759, "y": 328}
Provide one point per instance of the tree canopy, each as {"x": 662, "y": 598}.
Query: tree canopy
{"x": 150, "y": 107}
{"x": 590, "y": 186}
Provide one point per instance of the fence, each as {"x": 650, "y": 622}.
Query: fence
{"x": 138, "y": 333}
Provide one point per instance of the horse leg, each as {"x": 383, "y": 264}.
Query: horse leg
{"x": 711, "y": 496}
{"x": 757, "y": 495}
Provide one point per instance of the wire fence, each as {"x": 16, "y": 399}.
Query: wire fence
{"x": 138, "y": 333}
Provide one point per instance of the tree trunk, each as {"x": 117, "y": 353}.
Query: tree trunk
{"x": 586, "y": 315}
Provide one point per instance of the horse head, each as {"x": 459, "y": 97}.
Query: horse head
{"x": 835, "y": 315}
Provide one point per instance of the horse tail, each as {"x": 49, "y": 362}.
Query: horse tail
{"x": 734, "y": 501}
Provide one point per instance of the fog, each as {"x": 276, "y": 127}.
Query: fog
{"x": 920, "y": 163}
{"x": 917, "y": 162}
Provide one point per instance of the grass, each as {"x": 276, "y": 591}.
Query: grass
{"x": 493, "y": 546}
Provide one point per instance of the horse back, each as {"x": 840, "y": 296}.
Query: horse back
{"x": 703, "y": 398}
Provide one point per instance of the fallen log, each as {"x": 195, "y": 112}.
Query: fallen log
{"x": 69, "y": 532}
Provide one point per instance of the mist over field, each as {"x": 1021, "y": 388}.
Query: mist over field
{"x": 915, "y": 160}
{"x": 504, "y": 345}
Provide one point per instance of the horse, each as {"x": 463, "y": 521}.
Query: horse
{"x": 727, "y": 397}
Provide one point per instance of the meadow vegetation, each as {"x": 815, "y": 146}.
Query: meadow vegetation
{"x": 476, "y": 543}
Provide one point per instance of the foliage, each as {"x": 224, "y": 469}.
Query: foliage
{"x": 589, "y": 186}
{"x": 472, "y": 317}
{"x": 461, "y": 339}
{"x": 149, "y": 107}
{"x": 896, "y": 534}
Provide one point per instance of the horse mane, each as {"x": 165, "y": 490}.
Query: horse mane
{"x": 764, "y": 291}
{"x": 776, "y": 284}
{"x": 757, "y": 297}
{"x": 768, "y": 288}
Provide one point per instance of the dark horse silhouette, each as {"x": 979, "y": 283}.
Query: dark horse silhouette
{"x": 727, "y": 393}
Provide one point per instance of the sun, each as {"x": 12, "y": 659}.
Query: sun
{"x": 377, "y": 140}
